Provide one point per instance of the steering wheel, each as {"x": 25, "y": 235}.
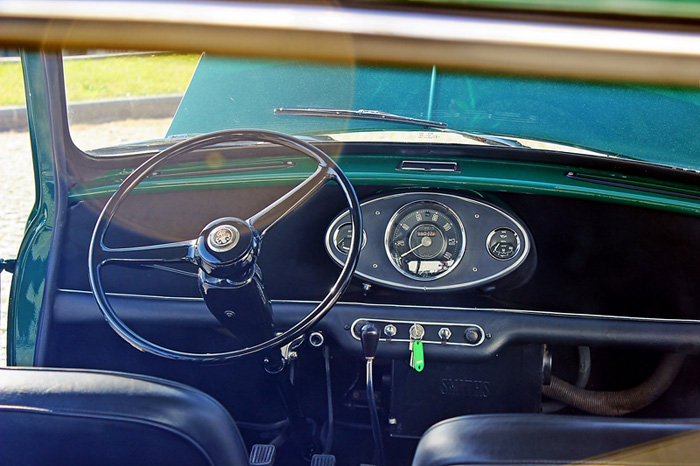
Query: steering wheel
{"x": 225, "y": 251}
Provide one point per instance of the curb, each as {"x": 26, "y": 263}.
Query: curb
{"x": 101, "y": 111}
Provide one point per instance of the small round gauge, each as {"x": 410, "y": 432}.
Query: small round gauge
{"x": 425, "y": 240}
{"x": 503, "y": 243}
{"x": 342, "y": 237}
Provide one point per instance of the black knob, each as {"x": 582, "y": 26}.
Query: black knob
{"x": 370, "y": 338}
{"x": 472, "y": 335}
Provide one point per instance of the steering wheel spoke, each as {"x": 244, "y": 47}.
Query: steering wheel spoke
{"x": 181, "y": 251}
{"x": 270, "y": 215}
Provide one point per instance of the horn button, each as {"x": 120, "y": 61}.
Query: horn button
{"x": 228, "y": 248}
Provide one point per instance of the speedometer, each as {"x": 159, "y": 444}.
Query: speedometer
{"x": 425, "y": 240}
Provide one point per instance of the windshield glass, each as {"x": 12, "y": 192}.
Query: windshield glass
{"x": 653, "y": 124}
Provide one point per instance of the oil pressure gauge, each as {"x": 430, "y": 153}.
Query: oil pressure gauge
{"x": 503, "y": 244}
{"x": 425, "y": 240}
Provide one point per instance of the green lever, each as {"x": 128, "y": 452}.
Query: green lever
{"x": 417, "y": 357}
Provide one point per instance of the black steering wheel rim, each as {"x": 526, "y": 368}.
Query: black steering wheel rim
{"x": 326, "y": 165}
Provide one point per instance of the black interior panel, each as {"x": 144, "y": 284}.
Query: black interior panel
{"x": 588, "y": 255}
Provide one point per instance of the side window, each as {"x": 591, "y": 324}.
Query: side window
{"x": 123, "y": 97}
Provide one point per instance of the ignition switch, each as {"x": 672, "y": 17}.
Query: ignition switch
{"x": 417, "y": 360}
{"x": 416, "y": 332}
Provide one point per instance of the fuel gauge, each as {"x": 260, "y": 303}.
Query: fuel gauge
{"x": 503, "y": 244}
{"x": 343, "y": 236}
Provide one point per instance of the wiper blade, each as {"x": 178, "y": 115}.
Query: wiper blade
{"x": 376, "y": 115}
{"x": 373, "y": 115}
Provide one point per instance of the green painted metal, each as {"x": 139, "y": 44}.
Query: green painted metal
{"x": 654, "y": 124}
{"x": 477, "y": 175}
{"x": 29, "y": 280}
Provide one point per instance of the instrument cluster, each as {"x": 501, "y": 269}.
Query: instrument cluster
{"x": 431, "y": 241}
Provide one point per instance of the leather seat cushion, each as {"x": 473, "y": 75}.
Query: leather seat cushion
{"x": 533, "y": 439}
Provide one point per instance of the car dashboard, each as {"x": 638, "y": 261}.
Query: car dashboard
{"x": 502, "y": 277}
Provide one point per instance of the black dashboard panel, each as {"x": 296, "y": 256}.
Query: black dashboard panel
{"x": 460, "y": 235}
{"x": 593, "y": 258}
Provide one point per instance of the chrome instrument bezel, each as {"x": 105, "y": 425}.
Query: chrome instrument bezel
{"x": 517, "y": 244}
{"x": 374, "y": 269}
{"x": 334, "y": 239}
{"x": 408, "y": 208}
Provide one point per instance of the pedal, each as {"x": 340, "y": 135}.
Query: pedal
{"x": 264, "y": 455}
{"x": 323, "y": 460}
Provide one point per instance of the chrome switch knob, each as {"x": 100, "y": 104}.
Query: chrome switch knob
{"x": 390, "y": 330}
{"x": 444, "y": 333}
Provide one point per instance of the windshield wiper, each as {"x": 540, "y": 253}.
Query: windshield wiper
{"x": 376, "y": 115}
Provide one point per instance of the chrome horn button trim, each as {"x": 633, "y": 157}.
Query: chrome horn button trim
{"x": 223, "y": 238}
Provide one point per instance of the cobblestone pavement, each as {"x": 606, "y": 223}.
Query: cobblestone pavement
{"x": 18, "y": 192}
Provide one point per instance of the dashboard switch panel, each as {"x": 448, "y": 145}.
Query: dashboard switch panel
{"x": 437, "y": 333}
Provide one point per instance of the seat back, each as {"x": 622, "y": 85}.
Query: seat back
{"x": 82, "y": 417}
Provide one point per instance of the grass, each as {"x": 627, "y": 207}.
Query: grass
{"x": 109, "y": 78}
{"x": 11, "y": 83}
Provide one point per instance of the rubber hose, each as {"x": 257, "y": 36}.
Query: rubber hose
{"x": 619, "y": 402}
{"x": 584, "y": 373}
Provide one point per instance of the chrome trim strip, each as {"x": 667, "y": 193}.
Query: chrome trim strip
{"x": 435, "y": 166}
{"x": 135, "y": 296}
{"x": 404, "y": 340}
{"x": 500, "y": 310}
{"x": 412, "y": 306}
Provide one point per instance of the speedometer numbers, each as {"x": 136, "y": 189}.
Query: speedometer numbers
{"x": 425, "y": 240}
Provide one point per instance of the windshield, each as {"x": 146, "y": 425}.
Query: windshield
{"x": 653, "y": 124}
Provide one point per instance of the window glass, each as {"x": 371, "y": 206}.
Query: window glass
{"x": 119, "y": 97}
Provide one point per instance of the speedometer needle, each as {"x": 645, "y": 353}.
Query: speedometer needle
{"x": 425, "y": 241}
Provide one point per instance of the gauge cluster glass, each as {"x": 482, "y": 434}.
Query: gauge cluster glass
{"x": 425, "y": 240}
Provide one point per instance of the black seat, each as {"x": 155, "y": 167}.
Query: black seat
{"x": 524, "y": 439}
{"x": 81, "y": 417}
